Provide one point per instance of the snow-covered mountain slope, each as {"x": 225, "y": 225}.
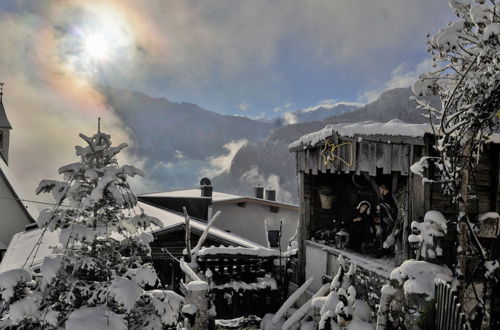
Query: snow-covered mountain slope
{"x": 321, "y": 112}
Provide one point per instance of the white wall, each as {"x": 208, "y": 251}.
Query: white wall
{"x": 249, "y": 221}
{"x": 13, "y": 218}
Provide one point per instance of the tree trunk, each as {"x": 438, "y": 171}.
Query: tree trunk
{"x": 462, "y": 224}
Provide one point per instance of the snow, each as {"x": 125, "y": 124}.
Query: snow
{"x": 267, "y": 323}
{"x": 419, "y": 167}
{"x": 492, "y": 30}
{"x": 126, "y": 292}
{"x": 10, "y": 279}
{"x": 262, "y": 283}
{"x": 291, "y": 300}
{"x": 189, "y": 309}
{"x": 24, "y": 307}
{"x": 197, "y": 286}
{"x": 302, "y": 311}
{"x": 361, "y": 310}
{"x": 491, "y": 267}
{"x": 434, "y": 225}
{"x": 166, "y": 303}
{"x": 143, "y": 275}
{"x": 217, "y": 197}
{"x": 22, "y": 243}
{"x": 357, "y": 324}
{"x": 18, "y": 192}
{"x": 50, "y": 267}
{"x": 488, "y": 215}
{"x": 259, "y": 252}
{"x": 391, "y": 128}
{"x": 418, "y": 276}
{"x": 95, "y": 318}
{"x": 480, "y": 14}
{"x": 382, "y": 267}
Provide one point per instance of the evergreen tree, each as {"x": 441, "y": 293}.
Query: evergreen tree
{"x": 96, "y": 278}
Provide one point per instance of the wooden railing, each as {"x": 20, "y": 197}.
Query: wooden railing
{"x": 449, "y": 315}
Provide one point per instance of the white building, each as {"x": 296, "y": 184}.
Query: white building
{"x": 253, "y": 218}
{"x": 15, "y": 214}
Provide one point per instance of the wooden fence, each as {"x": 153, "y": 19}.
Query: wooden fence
{"x": 449, "y": 315}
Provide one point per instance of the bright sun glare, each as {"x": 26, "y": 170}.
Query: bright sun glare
{"x": 97, "y": 47}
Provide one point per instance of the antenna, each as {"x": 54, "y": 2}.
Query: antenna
{"x": 98, "y": 124}
{"x": 1, "y": 90}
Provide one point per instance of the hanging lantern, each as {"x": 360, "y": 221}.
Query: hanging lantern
{"x": 326, "y": 197}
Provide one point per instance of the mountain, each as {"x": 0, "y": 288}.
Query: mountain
{"x": 392, "y": 104}
{"x": 166, "y": 130}
{"x": 177, "y": 141}
{"x": 321, "y": 112}
{"x": 270, "y": 162}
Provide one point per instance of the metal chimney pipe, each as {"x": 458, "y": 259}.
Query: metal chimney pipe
{"x": 259, "y": 192}
{"x": 270, "y": 194}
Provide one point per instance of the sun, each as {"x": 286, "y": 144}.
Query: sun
{"x": 97, "y": 47}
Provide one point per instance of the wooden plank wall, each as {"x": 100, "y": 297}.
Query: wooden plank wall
{"x": 364, "y": 156}
{"x": 485, "y": 186}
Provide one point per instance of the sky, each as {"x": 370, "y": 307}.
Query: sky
{"x": 253, "y": 58}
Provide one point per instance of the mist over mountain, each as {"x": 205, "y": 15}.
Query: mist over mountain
{"x": 320, "y": 112}
{"x": 177, "y": 141}
{"x": 279, "y": 173}
{"x": 181, "y": 142}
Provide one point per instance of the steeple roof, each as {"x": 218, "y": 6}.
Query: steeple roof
{"x": 4, "y": 122}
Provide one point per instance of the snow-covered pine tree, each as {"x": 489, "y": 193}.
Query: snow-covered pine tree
{"x": 96, "y": 279}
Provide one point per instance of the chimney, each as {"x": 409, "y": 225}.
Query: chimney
{"x": 206, "y": 187}
{"x": 270, "y": 194}
{"x": 259, "y": 192}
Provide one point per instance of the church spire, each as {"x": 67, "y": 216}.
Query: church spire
{"x": 4, "y": 129}
{"x": 4, "y": 122}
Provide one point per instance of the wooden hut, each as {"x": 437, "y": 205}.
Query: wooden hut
{"x": 351, "y": 159}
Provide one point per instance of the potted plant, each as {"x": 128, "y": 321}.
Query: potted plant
{"x": 326, "y": 197}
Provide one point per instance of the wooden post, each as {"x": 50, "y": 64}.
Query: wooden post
{"x": 304, "y": 230}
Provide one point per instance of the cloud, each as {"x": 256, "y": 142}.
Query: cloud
{"x": 330, "y": 104}
{"x": 222, "y": 163}
{"x": 47, "y": 103}
{"x": 290, "y": 118}
{"x": 253, "y": 177}
{"x": 178, "y": 154}
{"x": 401, "y": 76}
{"x": 243, "y": 106}
{"x": 286, "y": 106}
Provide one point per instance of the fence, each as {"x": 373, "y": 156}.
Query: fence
{"x": 449, "y": 315}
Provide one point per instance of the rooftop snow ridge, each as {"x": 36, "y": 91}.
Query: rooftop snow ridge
{"x": 391, "y": 128}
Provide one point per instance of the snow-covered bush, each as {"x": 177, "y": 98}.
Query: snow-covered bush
{"x": 97, "y": 279}
{"x": 425, "y": 235}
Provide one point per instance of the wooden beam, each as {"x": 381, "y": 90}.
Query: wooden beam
{"x": 304, "y": 230}
{"x": 495, "y": 173}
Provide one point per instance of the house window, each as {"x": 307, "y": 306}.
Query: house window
{"x": 274, "y": 238}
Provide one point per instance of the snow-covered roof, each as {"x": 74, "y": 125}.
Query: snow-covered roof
{"x": 11, "y": 180}
{"x": 218, "y": 197}
{"x": 4, "y": 122}
{"x": 23, "y": 243}
{"x": 394, "y": 127}
{"x": 171, "y": 219}
{"x": 192, "y": 193}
